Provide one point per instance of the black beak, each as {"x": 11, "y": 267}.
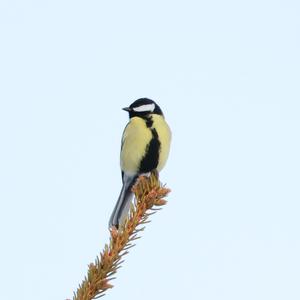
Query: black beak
{"x": 127, "y": 109}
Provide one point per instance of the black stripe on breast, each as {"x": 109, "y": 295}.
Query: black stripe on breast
{"x": 150, "y": 160}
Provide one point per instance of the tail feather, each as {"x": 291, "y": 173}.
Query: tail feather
{"x": 123, "y": 204}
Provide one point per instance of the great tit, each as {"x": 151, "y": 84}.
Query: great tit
{"x": 145, "y": 147}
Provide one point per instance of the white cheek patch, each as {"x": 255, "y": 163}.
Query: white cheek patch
{"x": 144, "y": 108}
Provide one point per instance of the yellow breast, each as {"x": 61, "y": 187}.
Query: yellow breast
{"x": 164, "y": 134}
{"x": 135, "y": 139}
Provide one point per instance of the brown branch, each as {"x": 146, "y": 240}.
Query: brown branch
{"x": 149, "y": 195}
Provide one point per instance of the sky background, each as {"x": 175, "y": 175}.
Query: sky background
{"x": 225, "y": 73}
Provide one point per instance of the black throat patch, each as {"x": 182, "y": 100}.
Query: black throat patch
{"x": 149, "y": 121}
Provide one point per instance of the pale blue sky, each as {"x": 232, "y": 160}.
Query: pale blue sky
{"x": 226, "y": 74}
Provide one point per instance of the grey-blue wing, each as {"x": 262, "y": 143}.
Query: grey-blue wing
{"x": 122, "y": 206}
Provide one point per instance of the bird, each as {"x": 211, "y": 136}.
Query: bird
{"x": 145, "y": 147}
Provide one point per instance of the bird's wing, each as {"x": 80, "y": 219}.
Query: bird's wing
{"x": 123, "y": 204}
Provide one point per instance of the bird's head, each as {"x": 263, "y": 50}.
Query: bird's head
{"x": 143, "y": 107}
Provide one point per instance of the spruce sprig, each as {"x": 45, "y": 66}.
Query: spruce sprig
{"x": 149, "y": 194}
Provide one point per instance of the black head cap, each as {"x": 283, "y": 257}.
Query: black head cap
{"x": 142, "y": 107}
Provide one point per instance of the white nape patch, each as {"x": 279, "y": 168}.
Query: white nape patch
{"x": 144, "y": 108}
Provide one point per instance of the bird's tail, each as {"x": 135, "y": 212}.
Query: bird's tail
{"x": 123, "y": 204}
